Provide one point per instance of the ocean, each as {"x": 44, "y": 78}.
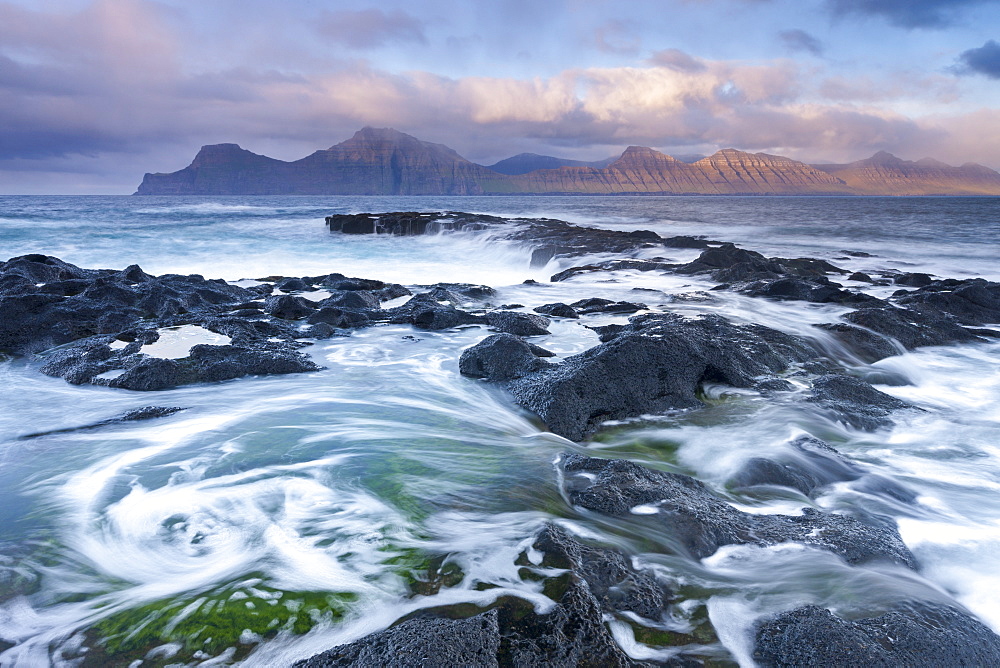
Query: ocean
{"x": 279, "y": 516}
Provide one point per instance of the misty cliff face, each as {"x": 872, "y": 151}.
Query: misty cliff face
{"x": 885, "y": 174}
{"x": 382, "y": 161}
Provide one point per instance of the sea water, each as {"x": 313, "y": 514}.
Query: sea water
{"x": 279, "y": 516}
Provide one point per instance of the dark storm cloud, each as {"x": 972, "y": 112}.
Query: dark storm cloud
{"x": 800, "y": 40}
{"x": 372, "y": 28}
{"x": 984, "y": 60}
{"x": 907, "y": 13}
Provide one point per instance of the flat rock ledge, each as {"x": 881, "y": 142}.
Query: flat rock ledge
{"x": 701, "y": 523}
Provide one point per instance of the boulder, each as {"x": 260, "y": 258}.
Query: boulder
{"x": 807, "y": 465}
{"x": 500, "y": 357}
{"x": 868, "y": 346}
{"x": 598, "y": 305}
{"x": 558, "y": 310}
{"x": 655, "y": 363}
{"x": 520, "y": 324}
{"x": 917, "y": 633}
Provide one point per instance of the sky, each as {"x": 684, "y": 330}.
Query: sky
{"x": 94, "y": 93}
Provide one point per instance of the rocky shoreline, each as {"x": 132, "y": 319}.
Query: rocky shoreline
{"x": 98, "y": 326}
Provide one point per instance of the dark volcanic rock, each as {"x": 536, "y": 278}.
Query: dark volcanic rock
{"x": 500, "y": 357}
{"x": 598, "y": 305}
{"x": 655, "y": 363}
{"x": 341, "y": 318}
{"x": 701, "y": 522}
{"x": 521, "y": 324}
{"x": 136, "y": 414}
{"x": 973, "y": 302}
{"x": 609, "y": 574}
{"x": 913, "y": 280}
{"x": 911, "y": 328}
{"x": 820, "y": 290}
{"x": 612, "y": 265}
{"x": 868, "y": 346}
{"x": 557, "y": 309}
{"x": 571, "y": 635}
{"x": 855, "y": 401}
{"x": 288, "y": 307}
{"x": 918, "y": 633}
{"x": 425, "y": 312}
{"x": 419, "y": 643}
{"x": 727, "y": 263}
{"x": 807, "y": 465}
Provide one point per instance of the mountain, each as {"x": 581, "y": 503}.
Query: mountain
{"x": 383, "y": 161}
{"x": 727, "y": 172}
{"x": 372, "y": 162}
{"x": 522, "y": 163}
{"x": 885, "y": 174}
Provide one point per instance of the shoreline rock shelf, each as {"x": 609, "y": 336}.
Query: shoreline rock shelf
{"x": 91, "y": 326}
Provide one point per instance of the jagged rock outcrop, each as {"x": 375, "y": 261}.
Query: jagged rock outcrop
{"x": 382, "y": 161}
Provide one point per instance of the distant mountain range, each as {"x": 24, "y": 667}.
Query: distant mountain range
{"x": 387, "y": 162}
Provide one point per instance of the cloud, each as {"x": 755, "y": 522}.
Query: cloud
{"x": 983, "y": 60}
{"x": 800, "y": 40}
{"x": 371, "y": 28}
{"x": 677, "y": 60}
{"x": 616, "y": 36}
{"x": 907, "y": 13}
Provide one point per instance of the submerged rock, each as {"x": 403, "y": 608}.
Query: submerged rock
{"x": 655, "y": 363}
{"x": 911, "y": 328}
{"x": 855, "y": 402}
{"x": 136, "y": 414}
{"x": 918, "y": 633}
{"x": 808, "y": 464}
{"x": 700, "y": 522}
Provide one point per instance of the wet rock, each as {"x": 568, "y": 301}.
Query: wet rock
{"x": 807, "y": 267}
{"x": 612, "y": 265}
{"x": 866, "y": 345}
{"x": 418, "y": 643}
{"x": 557, "y": 309}
{"x": 918, "y": 633}
{"x": 861, "y": 276}
{"x": 913, "y": 280}
{"x": 855, "y": 402}
{"x": 81, "y": 303}
{"x": 617, "y": 586}
{"x": 520, "y": 324}
{"x": 911, "y": 328}
{"x": 973, "y": 302}
{"x": 807, "y": 465}
{"x": 464, "y": 293}
{"x": 293, "y": 285}
{"x": 682, "y": 241}
{"x": 500, "y": 357}
{"x": 701, "y": 522}
{"x": 288, "y": 307}
{"x": 143, "y": 413}
{"x": 357, "y": 300}
{"x": 341, "y": 318}
{"x": 598, "y": 305}
{"x": 425, "y": 312}
{"x": 727, "y": 263}
{"x": 655, "y": 363}
{"x": 570, "y": 635}
{"x": 821, "y": 291}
